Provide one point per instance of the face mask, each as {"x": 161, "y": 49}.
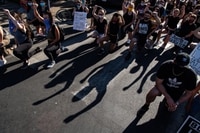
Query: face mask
{"x": 42, "y": 4}
{"x": 100, "y": 16}
{"x": 78, "y": 6}
{"x": 30, "y": 3}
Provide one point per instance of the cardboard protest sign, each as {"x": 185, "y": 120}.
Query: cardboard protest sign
{"x": 195, "y": 59}
{"x": 80, "y": 21}
{"x": 190, "y": 125}
{"x": 178, "y": 41}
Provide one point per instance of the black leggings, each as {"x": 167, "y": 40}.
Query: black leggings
{"x": 22, "y": 50}
{"x": 51, "y": 51}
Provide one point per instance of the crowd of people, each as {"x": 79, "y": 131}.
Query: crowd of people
{"x": 140, "y": 20}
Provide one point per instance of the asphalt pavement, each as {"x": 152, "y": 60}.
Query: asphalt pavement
{"x": 84, "y": 92}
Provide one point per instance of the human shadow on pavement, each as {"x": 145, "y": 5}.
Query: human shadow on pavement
{"x": 166, "y": 55}
{"x": 98, "y": 79}
{"x": 81, "y": 58}
{"x": 143, "y": 61}
{"x": 16, "y": 75}
{"x": 164, "y": 122}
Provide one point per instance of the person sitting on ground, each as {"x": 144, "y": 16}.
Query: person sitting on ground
{"x": 170, "y": 26}
{"x": 101, "y": 23}
{"x": 129, "y": 16}
{"x": 52, "y": 50}
{"x": 175, "y": 80}
{"x": 186, "y": 33}
{"x": 22, "y": 36}
{"x": 112, "y": 33}
{"x": 4, "y": 40}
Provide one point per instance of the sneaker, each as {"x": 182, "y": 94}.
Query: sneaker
{"x": 128, "y": 41}
{"x": 3, "y": 62}
{"x": 51, "y": 64}
{"x": 128, "y": 56}
{"x": 143, "y": 110}
{"x": 101, "y": 51}
{"x": 25, "y": 65}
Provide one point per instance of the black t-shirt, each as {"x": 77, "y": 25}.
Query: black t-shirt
{"x": 100, "y": 26}
{"x": 176, "y": 79}
{"x": 144, "y": 27}
{"x": 186, "y": 28}
{"x": 172, "y": 22}
{"x": 128, "y": 18}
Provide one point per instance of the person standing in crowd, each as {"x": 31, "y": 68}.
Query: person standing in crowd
{"x": 23, "y": 6}
{"x": 142, "y": 31}
{"x": 31, "y": 19}
{"x": 101, "y": 25}
{"x": 112, "y": 33}
{"x": 4, "y": 40}
{"x": 175, "y": 80}
{"x": 53, "y": 35}
{"x": 43, "y": 6}
{"x": 129, "y": 16}
{"x": 22, "y": 36}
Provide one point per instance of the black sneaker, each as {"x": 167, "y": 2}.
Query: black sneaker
{"x": 128, "y": 56}
{"x": 25, "y": 65}
{"x": 143, "y": 110}
{"x": 101, "y": 51}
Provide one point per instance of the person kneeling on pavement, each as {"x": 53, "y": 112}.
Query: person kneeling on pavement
{"x": 4, "y": 40}
{"x": 175, "y": 80}
{"x": 52, "y": 50}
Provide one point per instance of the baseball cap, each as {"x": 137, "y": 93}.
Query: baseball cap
{"x": 182, "y": 59}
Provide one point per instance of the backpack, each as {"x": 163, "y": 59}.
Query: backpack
{"x": 62, "y": 33}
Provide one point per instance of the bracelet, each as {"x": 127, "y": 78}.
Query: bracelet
{"x": 177, "y": 103}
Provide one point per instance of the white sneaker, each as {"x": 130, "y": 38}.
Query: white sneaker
{"x": 128, "y": 41}
{"x": 51, "y": 64}
{"x": 3, "y": 62}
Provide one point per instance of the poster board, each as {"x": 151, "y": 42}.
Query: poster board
{"x": 178, "y": 41}
{"x": 195, "y": 59}
{"x": 80, "y": 21}
{"x": 190, "y": 125}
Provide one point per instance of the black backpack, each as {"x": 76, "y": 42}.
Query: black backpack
{"x": 62, "y": 33}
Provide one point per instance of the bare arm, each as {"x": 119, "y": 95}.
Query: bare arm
{"x": 170, "y": 102}
{"x": 15, "y": 22}
{"x": 36, "y": 13}
{"x": 57, "y": 35}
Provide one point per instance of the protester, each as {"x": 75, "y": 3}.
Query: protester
{"x": 4, "y": 40}
{"x": 101, "y": 23}
{"x": 142, "y": 31}
{"x": 52, "y": 50}
{"x": 186, "y": 33}
{"x": 175, "y": 81}
{"x": 129, "y": 16}
{"x": 112, "y": 33}
{"x": 170, "y": 26}
{"x": 31, "y": 19}
{"x": 22, "y": 36}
